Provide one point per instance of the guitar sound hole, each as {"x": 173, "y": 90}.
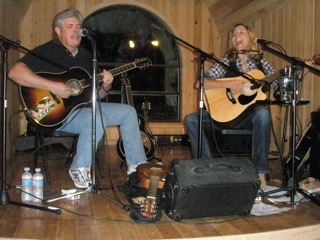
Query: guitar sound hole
{"x": 243, "y": 100}
{"x": 75, "y": 86}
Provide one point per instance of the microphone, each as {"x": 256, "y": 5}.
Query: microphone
{"x": 86, "y": 33}
{"x": 261, "y": 41}
{"x": 255, "y": 86}
{"x": 250, "y": 52}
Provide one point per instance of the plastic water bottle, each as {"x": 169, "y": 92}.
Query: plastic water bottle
{"x": 37, "y": 185}
{"x": 26, "y": 185}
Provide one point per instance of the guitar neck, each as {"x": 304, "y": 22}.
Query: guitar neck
{"x": 153, "y": 186}
{"x": 118, "y": 70}
{"x": 124, "y": 68}
{"x": 138, "y": 63}
{"x": 272, "y": 77}
{"x": 129, "y": 97}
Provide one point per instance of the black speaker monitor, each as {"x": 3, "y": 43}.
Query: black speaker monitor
{"x": 210, "y": 187}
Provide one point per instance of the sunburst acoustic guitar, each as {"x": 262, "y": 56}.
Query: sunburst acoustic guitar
{"x": 48, "y": 110}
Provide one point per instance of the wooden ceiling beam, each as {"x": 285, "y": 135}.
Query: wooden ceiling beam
{"x": 226, "y": 13}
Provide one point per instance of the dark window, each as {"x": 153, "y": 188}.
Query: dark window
{"x": 125, "y": 34}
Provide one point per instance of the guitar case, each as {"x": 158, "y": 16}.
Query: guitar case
{"x": 315, "y": 146}
{"x": 210, "y": 187}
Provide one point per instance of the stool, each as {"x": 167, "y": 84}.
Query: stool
{"x": 233, "y": 142}
{"x": 45, "y": 138}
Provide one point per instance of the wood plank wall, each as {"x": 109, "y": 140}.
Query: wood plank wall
{"x": 294, "y": 25}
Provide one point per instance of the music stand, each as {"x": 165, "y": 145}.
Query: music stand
{"x": 5, "y": 198}
{"x": 292, "y": 183}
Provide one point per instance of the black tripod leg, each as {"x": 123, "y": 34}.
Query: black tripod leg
{"x": 5, "y": 200}
{"x": 272, "y": 191}
{"x": 57, "y": 211}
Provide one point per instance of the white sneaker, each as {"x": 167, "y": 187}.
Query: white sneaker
{"x": 131, "y": 168}
{"x": 80, "y": 177}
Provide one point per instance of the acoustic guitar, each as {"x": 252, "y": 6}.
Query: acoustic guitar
{"x": 146, "y": 106}
{"x": 152, "y": 177}
{"x": 226, "y": 105}
{"x": 147, "y": 139}
{"x": 48, "y": 110}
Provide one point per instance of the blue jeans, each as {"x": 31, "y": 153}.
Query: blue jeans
{"x": 258, "y": 121}
{"x": 112, "y": 114}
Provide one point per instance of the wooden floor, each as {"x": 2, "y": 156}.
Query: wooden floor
{"x": 99, "y": 215}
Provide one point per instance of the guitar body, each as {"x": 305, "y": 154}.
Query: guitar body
{"x": 152, "y": 177}
{"x": 148, "y": 143}
{"x": 46, "y": 109}
{"x": 146, "y": 170}
{"x": 222, "y": 109}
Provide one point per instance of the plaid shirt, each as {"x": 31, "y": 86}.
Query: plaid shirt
{"x": 218, "y": 71}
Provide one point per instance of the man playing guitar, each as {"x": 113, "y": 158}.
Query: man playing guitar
{"x": 64, "y": 50}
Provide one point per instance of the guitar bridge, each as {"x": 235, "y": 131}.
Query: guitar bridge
{"x": 230, "y": 96}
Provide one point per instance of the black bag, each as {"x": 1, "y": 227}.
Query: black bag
{"x": 210, "y": 187}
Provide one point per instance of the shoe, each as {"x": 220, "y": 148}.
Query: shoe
{"x": 131, "y": 169}
{"x": 80, "y": 177}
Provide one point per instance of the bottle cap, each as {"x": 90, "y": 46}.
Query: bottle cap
{"x": 37, "y": 170}
{"x": 26, "y": 169}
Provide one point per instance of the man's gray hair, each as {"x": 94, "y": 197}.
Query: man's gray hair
{"x": 59, "y": 19}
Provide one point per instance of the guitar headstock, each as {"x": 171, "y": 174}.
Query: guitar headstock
{"x": 143, "y": 62}
{"x": 125, "y": 81}
{"x": 146, "y": 105}
{"x": 149, "y": 209}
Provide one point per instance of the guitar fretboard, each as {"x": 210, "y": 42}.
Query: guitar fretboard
{"x": 153, "y": 186}
{"x": 123, "y": 68}
{"x": 143, "y": 62}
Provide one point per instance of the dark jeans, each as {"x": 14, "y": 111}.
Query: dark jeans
{"x": 258, "y": 121}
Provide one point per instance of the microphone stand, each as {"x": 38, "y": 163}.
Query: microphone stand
{"x": 291, "y": 185}
{"x": 203, "y": 57}
{"x": 5, "y": 198}
{"x": 93, "y": 187}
